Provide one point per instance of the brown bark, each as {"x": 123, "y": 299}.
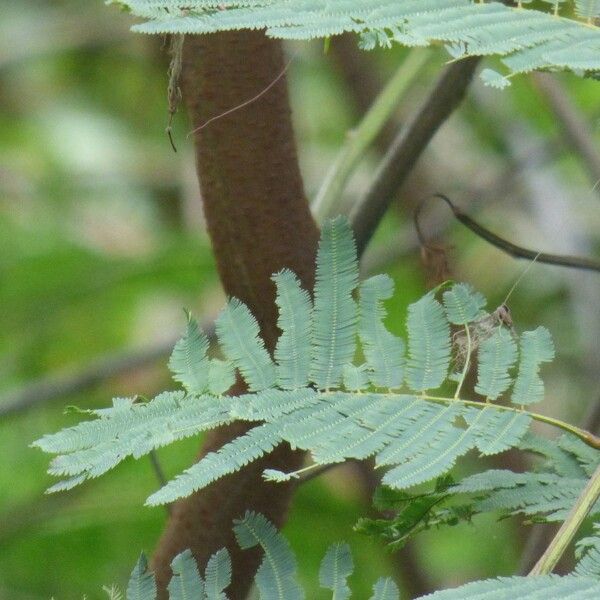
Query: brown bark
{"x": 259, "y": 222}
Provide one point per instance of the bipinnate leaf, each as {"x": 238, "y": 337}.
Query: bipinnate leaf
{"x": 316, "y": 396}
{"x": 336, "y": 567}
{"x": 186, "y": 583}
{"x": 276, "y": 576}
{"x": 142, "y": 585}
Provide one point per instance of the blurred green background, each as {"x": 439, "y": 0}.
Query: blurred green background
{"x": 102, "y": 244}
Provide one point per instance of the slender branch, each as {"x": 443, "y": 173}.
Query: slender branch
{"x": 359, "y": 139}
{"x": 408, "y": 146}
{"x": 585, "y": 436}
{"x": 513, "y": 250}
{"x": 53, "y": 387}
{"x": 569, "y": 528}
{"x": 576, "y": 130}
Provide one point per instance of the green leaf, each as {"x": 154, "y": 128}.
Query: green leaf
{"x": 336, "y": 567}
{"x": 292, "y": 352}
{"x": 335, "y": 312}
{"x": 141, "y": 584}
{"x": 189, "y": 362}
{"x": 385, "y": 589}
{"x": 186, "y": 583}
{"x": 523, "y": 588}
{"x": 218, "y": 575}
{"x": 276, "y": 576}
{"x": 497, "y": 355}
{"x": 428, "y": 344}
{"x": 240, "y": 339}
{"x": 383, "y": 351}
{"x": 463, "y": 304}
{"x": 536, "y": 347}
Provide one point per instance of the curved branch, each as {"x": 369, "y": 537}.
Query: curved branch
{"x": 560, "y": 260}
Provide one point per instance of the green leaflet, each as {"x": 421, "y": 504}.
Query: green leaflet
{"x": 463, "y": 304}
{"x": 523, "y": 588}
{"x": 336, "y": 567}
{"x": 189, "y": 362}
{"x": 276, "y": 576}
{"x": 385, "y": 589}
{"x": 587, "y": 552}
{"x": 186, "y": 583}
{"x": 335, "y": 314}
{"x": 218, "y": 575}
{"x": 497, "y": 354}
{"x": 240, "y": 339}
{"x": 428, "y": 344}
{"x": 292, "y": 353}
{"x": 384, "y": 351}
{"x": 228, "y": 459}
{"x": 536, "y": 348}
{"x": 141, "y": 583}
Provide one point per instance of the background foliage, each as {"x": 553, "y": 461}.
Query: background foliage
{"x": 102, "y": 244}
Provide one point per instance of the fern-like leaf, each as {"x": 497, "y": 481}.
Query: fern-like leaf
{"x": 523, "y": 588}
{"x": 497, "y": 354}
{"x": 189, "y": 362}
{"x": 142, "y": 585}
{"x": 335, "y": 312}
{"x": 524, "y": 39}
{"x": 228, "y": 459}
{"x": 428, "y": 344}
{"x": 336, "y": 567}
{"x": 536, "y": 348}
{"x": 218, "y": 575}
{"x": 292, "y": 352}
{"x": 463, "y": 304}
{"x": 383, "y": 351}
{"x": 385, "y": 589}
{"x": 240, "y": 339}
{"x": 276, "y": 576}
{"x": 587, "y": 552}
{"x": 186, "y": 583}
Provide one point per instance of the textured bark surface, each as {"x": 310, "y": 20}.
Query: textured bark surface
{"x": 259, "y": 222}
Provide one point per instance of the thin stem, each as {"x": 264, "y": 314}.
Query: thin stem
{"x": 466, "y": 367}
{"x": 511, "y": 249}
{"x": 585, "y": 436}
{"x": 569, "y": 528}
{"x": 359, "y": 139}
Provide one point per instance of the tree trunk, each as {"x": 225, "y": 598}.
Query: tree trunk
{"x": 259, "y": 222}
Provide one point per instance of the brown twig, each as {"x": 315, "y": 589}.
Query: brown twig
{"x": 408, "y": 146}
{"x": 513, "y": 250}
{"x": 54, "y": 387}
